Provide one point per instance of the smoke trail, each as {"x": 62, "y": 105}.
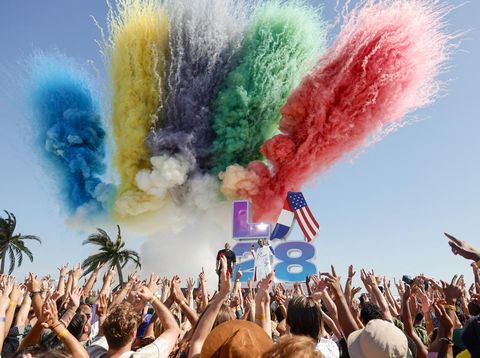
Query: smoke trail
{"x": 69, "y": 131}
{"x": 205, "y": 36}
{"x": 281, "y": 45}
{"x": 383, "y": 64}
{"x": 136, "y": 51}
{"x": 202, "y": 224}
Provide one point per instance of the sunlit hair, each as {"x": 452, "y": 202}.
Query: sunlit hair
{"x": 293, "y": 346}
{"x": 120, "y": 325}
{"x": 304, "y": 316}
{"x": 224, "y": 314}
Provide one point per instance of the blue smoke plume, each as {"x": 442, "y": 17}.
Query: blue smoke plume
{"x": 69, "y": 131}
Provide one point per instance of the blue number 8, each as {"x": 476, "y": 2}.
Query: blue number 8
{"x": 284, "y": 252}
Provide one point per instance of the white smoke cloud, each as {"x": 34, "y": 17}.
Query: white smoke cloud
{"x": 181, "y": 238}
{"x": 166, "y": 173}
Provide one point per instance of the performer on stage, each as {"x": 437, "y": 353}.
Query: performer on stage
{"x": 263, "y": 259}
{"x": 231, "y": 260}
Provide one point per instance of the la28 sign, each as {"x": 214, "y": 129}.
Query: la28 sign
{"x": 293, "y": 260}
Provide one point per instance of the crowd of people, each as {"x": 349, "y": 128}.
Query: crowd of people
{"x": 321, "y": 317}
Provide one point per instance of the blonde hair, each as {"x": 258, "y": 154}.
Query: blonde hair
{"x": 120, "y": 325}
{"x": 294, "y": 346}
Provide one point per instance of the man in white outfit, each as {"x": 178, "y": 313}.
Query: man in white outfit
{"x": 263, "y": 259}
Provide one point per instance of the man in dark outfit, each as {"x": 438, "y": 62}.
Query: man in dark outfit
{"x": 231, "y": 260}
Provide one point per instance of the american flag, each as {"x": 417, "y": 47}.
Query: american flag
{"x": 304, "y": 216}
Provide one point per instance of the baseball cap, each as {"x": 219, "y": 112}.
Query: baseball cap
{"x": 379, "y": 339}
{"x": 236, "y": 339}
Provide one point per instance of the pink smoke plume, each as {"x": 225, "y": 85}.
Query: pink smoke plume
{"x": 383, "y": 65}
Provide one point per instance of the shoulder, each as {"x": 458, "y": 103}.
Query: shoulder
{"x": 98, "y": 348}
{"x": 159, "y": 348}
{"x": 328, "y": 348}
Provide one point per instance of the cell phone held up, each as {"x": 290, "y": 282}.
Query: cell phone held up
{"x": 407, "y": 279}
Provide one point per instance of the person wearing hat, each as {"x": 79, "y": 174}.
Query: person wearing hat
{"x": 236, "y": 339}
{"x": 378, "y": 339}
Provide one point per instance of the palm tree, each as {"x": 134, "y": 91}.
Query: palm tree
{"x": 110, "y": 251}
{"x": 13, "y": 244}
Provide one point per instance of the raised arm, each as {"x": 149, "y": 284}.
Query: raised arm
{"x": 463, "y": 248}
{"x": 408, "y": 323}
{"x": 380, "y": 298}
{"x": 14, "y": 297}
{"x": 34, "y": 287}
{"x": 348, "y": 284}
{"x": 72, "y": 303}
{"x": 171, "y": 330}
{"x": 107, "y": 281}
{"x": 203, "y": 288}
{"x": 262, "y": 305}
{"x": 206, "y": 322}
{"x": 346, "y": 319}
{"x": 182, "y": 302}
{"x": 476, "y": 276}
{"x": 426, "y": 305}
{"x": 92, "y": 279}
{"x": 445, "y": 331}
{"x": 63, "y": 271}
{"x": 22, "y": 315}
{"x": 4, "y": 306}
{"x": 50, "y": 320}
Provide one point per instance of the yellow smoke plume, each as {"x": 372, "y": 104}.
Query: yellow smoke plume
{"x": 137, "y": 50}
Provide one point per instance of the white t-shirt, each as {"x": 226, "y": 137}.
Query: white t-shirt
{"x": 328, "y": 348}
{"x": 157, "y": 349}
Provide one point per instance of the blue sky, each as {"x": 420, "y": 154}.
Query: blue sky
{"x": 386, "y": 210}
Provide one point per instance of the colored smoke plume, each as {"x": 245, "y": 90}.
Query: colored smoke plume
{"x": 383, "y": 65}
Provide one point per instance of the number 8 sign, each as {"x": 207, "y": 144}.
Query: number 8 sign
{"x": 293, "y": 259}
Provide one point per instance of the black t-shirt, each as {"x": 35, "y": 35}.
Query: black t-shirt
{"x": 231, "y": 257}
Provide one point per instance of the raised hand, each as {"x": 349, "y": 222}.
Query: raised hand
{"x": 153, "y": 282}
{"x": 400, "y": 286}
{"x": 462, "y": 248}
{"x": 355, "y": 290}
{"x": 145, "y": 294}
{"x": 165, "y": 284}
{"x": 262, "y": 296}
{"x": 176, "y": 292}
{"x": 77, "y": 272}
{"x": 225, "y": 282}
{"x": 8, "y": 284}
{"x": 99, "y": 266}
{"x": 73, "y": 298}
{"x": 451, "y": 291}
{"x": 239, "y": 275}
{"x": 63, "y": 270}
{"x": 132, "y": 278}
{"x": 190, "y": 284}
{"x": 49, "y": 314}
{"x": 333, "y": 281}
{"x": 319, "y": 287}
{"x": 108, "y": 276}
{"x": 4, "y": 302}
{"x": 33, "y": 284}
{"x": 370, "y": 278}
{"x": 443, "y": 317}
{"x": 102, "y": 305}
{"x": 202, "y": 277}
{"x": 351, "y": 273}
